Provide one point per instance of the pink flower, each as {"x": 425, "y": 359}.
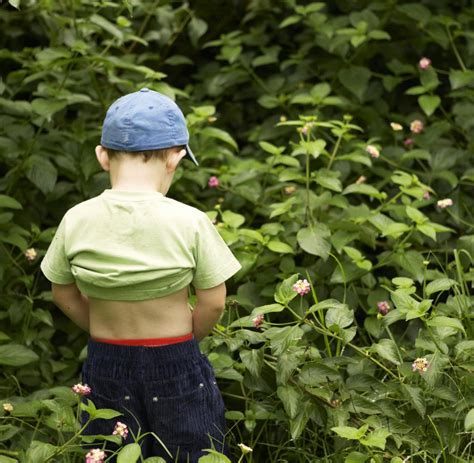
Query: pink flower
{"x": 81, "y": 389}
{"x": 383, "y": 307}
{"x": 420, "y": 364}
{"x": 426, "y": 195}
{"x": 443, "y": 203}
{"x": 373, "y": 151}
{"x": 302, "y": 287}
{"x": 121, "y": 429}
{"x": 424, "y": 63}
{"x": 417, "y": 126}
{"x": 95, "y": 456}
{"x": 258, "y": 320}
{"x": 408, "y": 141}
{"x": 213, "y": 182}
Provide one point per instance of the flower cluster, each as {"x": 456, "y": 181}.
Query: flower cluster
{"x": 302, "y": 287}
{"x": 444, "y": 203}
{"x": 31, "y": 254}
{"x": 8, "y": 407}
{"x": 258, "y": 320}
{"x": 424, "y": 63}
{"x": 417, "y": 126}
{"x": 81, "y": 389}
{"x": 121, "y": 429}
{"x": 373, "y": 151}
{"x": 213, "y": 182}
{"x": 383, "y": 307}
{"x": 245, "y": 448}
{"x": 95, "y": 456}
{"x": 420, "y": 364}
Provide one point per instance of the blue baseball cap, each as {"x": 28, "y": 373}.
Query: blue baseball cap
{"x": 145, "y": 120}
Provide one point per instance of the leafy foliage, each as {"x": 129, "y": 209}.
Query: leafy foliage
{"x": 290, "y": 105}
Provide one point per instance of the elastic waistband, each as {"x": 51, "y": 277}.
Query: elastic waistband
{"x": 102, "y": 352}
{"x": 150, "y": 342}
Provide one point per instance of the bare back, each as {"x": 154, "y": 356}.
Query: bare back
{"x": 166, "y": 316}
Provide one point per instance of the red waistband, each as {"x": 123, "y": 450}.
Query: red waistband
{"x": 148, "y": 341}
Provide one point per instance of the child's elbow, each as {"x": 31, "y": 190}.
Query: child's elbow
{"x": 212, "y": 298}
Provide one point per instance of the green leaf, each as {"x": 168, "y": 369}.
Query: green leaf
{"x": 253, "y": 360}
{"x": 272, "y": 149}
{"x": 429, "y": 103}
{"x": 284, "y": 294}
{"x": 47, "y": 108}
{"x": 387, "y": 349}
{"x": 213, "y": 457}
{"x": 214, "y": 132}
{"x": 106, "y": 414}
{"x": 364, "y": 190}
{"x": 290, "y": 398}
{"x": 8, "y": 201}
{"x": 41, "y": 172}
{"x": 39, "y": 452}
{"x": 232, "y": 219}
{"x": 270, "y": 308}
{"x": 106, "y": 25}
{"x": 376, "y": 438}
{"x": 15, "y": 3}
{"x": 441, "y": 284}
{"x": 196, "y": 29}
{"x": 355, "y": 79}
{"x": 469, "y": 421}
{"x": 280, "y": 247}
{"x": 282, "y": 338}
{"x": 460, "y": 79}
{"x": 348, "y": 432}
{"x": 443, "y": 321}
{"x": 340, "y": 316}
{"x": 16, "y": 355}
{"x": 415, "y": 396}
{"x": 314, "y": 241}
{"x": 356, "y": 457}
{"x": 129, "y": 454}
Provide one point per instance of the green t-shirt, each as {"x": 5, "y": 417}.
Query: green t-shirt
{"x": 136, "y": 245}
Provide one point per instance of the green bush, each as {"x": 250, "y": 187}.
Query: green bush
{"x": 332, "y": 143}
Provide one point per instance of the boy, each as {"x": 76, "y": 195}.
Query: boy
{"x": 120, "y": 266}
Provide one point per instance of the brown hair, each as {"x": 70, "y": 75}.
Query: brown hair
{"x": 147, "y": 155}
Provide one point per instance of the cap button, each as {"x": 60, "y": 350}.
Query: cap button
{"x": 144, "y": 90}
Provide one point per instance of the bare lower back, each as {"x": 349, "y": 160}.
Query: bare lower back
{"x": 153, "y": 318}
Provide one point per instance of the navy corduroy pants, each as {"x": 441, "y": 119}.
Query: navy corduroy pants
{"x": 169, "y": 390}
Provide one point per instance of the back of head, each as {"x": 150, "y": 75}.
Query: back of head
{"x": 145, "y": 122}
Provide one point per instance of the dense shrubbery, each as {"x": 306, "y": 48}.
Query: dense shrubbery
{"x": 331, "y": 145}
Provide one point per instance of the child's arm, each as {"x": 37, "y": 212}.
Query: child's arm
{"x": 73, "y": 303}
{"x": 209, "y": 307}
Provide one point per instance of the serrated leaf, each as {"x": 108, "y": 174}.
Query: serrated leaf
{"x": 348, "y": 432}
{"x": 387, "y": 349}
{"x": 290, "y": 398}
{"x": 415, "y": 396}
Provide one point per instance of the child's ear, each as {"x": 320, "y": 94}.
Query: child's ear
{"x": 174, "y": 159}
{"x": 102, "y": 157}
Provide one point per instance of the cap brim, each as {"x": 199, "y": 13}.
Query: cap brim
{"x": 190, "y": 155}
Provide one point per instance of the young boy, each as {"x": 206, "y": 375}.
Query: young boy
{"x": 121, "y": 264}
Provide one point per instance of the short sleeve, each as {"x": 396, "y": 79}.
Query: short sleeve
{"x": 215, "y": 262}
{"x": 55, "y": 264}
